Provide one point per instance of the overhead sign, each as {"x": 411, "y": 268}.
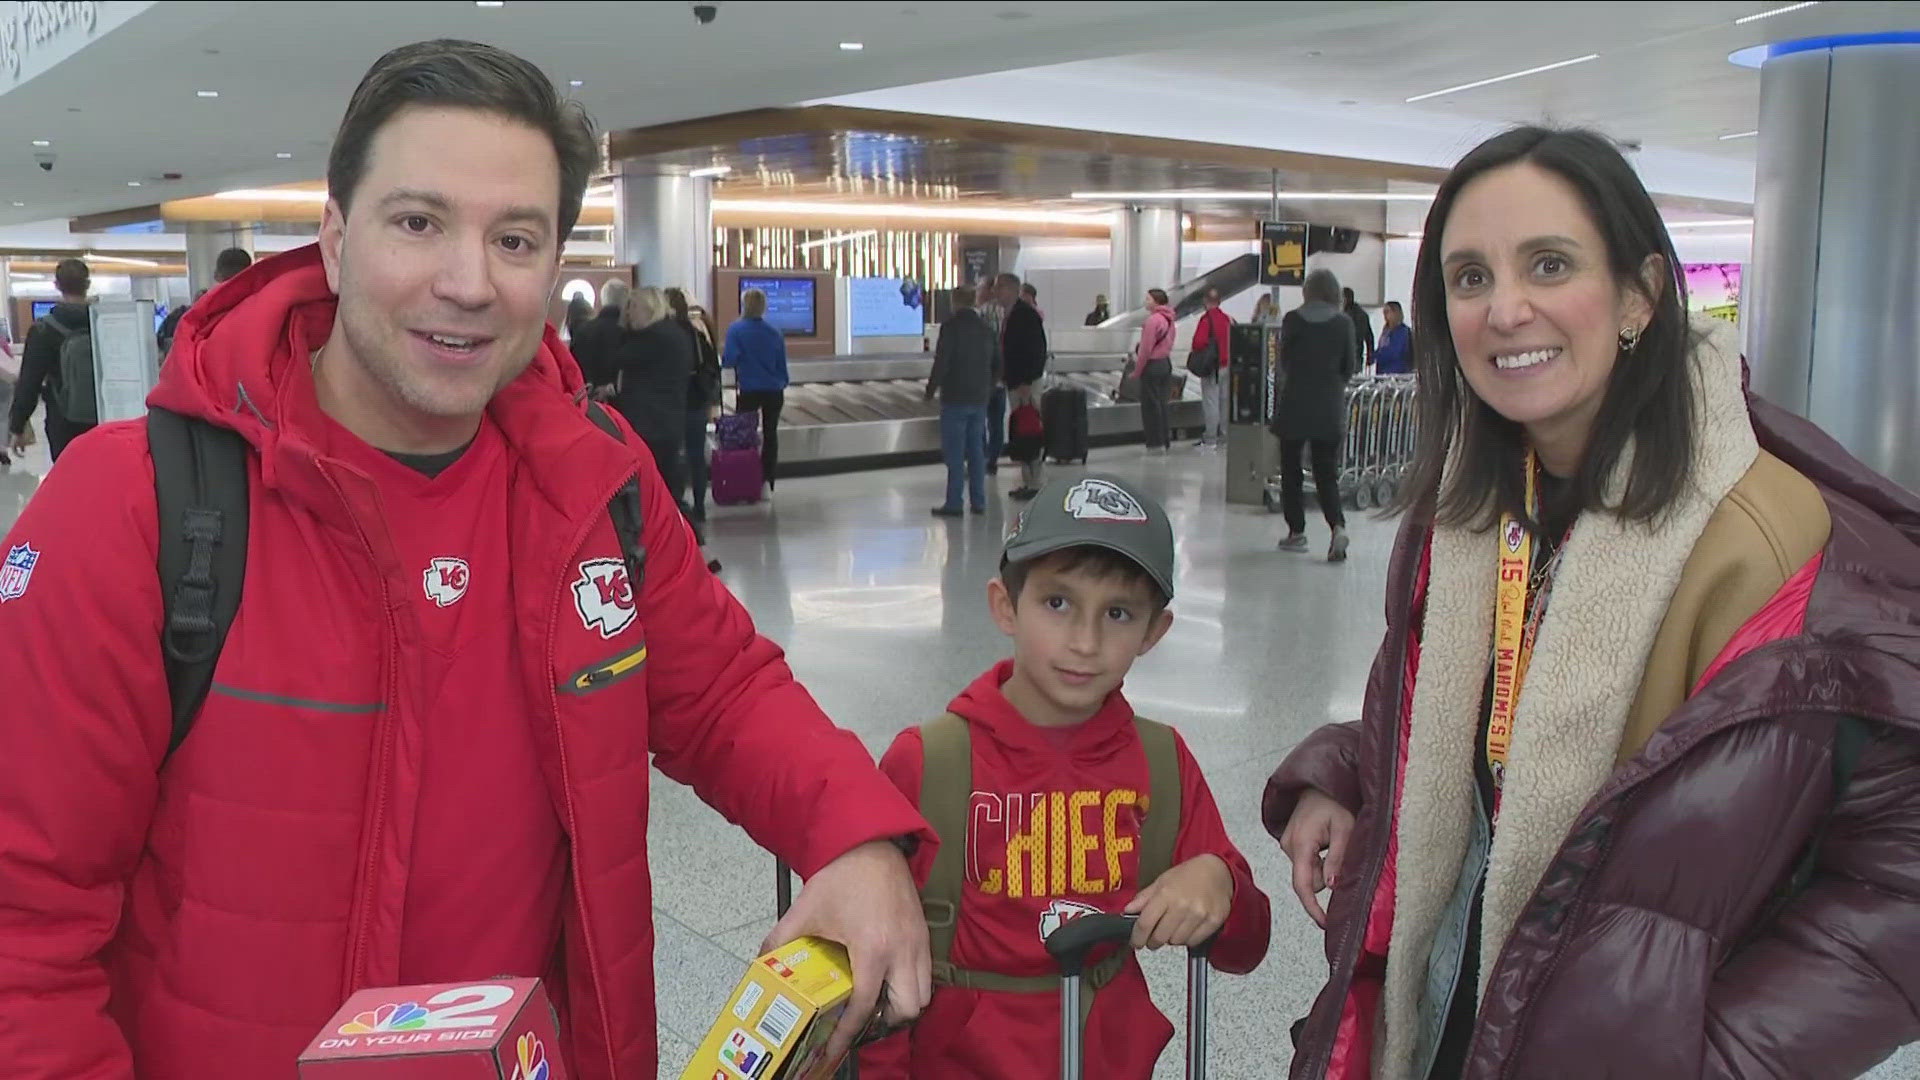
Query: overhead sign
{"x": 1283, "y": 252}
{"x": 38, "y": 27}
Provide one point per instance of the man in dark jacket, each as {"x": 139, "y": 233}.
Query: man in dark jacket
{"x": 966, "y": 365}
{"x": 40, "y": 363}
{"x": 594, "y": 343}
{"x": 1318, "y": 353}
{"x": 1362, "y": 326}
{"x": 1023, "y": 354}
{"x": 225, "y": 265}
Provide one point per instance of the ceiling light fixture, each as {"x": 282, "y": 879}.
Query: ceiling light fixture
{"x": 1255, "y": 196}
{"x": 925, "y": 211}
{"x": 18, "y": 203}
{"x": 840, "y": 239}
{"x": 852, "y": 46}
{"x": 43, "y": 142}
{"x": 1770, "y": 14}
{"x": 1718, "y": 223}
{"x": 274, "y": 195}
{"x": 207, "y": 93}
{"x": 1503, "y": 78}
{"x": 133, "y": 183}
{"x": 712, "y": 170}
{"x": 576, "y": 83}
{"x": 94, "y": 256}
{"x": 283, "y": 155}
{"x": 489, "y": 3}
{"x": 1739, "y": 135}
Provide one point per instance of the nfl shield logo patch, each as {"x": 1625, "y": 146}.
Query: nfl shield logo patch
{"x": 17, "y": 572}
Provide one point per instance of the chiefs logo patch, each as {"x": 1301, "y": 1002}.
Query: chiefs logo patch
{"x": 1060, "y": 913}
{"x": 446, "y": 581}
{"x": 604, "y": 596}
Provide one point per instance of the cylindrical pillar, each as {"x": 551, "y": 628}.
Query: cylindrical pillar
{"x": 1144, "y": 243}
{"x": 663, "y": 225}
{"x": 8, "y": 331}
{"x": 1835, "y": 296}
{"x": 205, "y": 242}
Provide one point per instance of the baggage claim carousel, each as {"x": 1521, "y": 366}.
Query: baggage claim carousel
{"x": 867, "y": 412}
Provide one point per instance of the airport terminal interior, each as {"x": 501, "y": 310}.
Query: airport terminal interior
{"x": 853, "y": 163}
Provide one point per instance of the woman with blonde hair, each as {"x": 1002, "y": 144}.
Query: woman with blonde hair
{"x": 652, "y": 364}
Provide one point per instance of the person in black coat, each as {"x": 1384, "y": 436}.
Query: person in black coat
{"x": 1362, "y": 325}
{"x": 703, "y": 392}
{"x": 1023, "y": 354}
{"x": 1319, "y": 353}
{"x": 40, "y": 364}
{"x": 592, "y": 342}
{"x": 652, "y": 363}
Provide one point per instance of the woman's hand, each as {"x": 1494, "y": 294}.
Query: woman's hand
{"x": 1318, "y": 825}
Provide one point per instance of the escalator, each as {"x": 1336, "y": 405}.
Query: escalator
{"x": 1232, "y": 277}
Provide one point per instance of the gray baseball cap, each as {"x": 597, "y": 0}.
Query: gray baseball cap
{"x": 1102, "y": 512}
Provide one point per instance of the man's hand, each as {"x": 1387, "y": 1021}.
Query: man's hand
{"x": 1186, "y": 906}
{"x": 866, "y": 901}
{"x": 1318, "y": 824}
{"x": 20, "y": 440}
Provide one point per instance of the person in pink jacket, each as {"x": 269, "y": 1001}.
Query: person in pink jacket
{"x": 426, "y": 752}
{"x": 1153, "y": 362}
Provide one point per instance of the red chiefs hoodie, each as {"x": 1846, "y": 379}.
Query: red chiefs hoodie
{"x": 1054, "y": 830}
{"x": 203, "y": 917}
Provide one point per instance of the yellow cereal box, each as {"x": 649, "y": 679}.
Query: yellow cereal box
{"x": 776, "y": 1024}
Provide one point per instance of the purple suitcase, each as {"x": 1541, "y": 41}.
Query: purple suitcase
{"x": 735, "y": 477}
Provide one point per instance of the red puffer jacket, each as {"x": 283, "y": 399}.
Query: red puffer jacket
{"x": 1642, "y": 950}
{"x": 203, "y": 917}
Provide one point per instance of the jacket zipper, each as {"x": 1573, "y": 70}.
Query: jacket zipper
{"x": 566, "y": 773}
{"x": 357, "y": 960}
{"x": 1608, "y": 793}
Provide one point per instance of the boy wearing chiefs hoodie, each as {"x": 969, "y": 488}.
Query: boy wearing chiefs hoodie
{"x": 1055, "y": 808}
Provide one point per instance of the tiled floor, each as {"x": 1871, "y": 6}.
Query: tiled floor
{"x": 882, "y": 610}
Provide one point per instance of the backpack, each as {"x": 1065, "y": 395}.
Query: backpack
{"x": 76, "y": 396}
{"x": 946, "y": 788}
{"x": 200, "y": 486}
{"x": 1026, "y": 433}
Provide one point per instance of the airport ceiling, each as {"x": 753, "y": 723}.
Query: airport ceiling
{"x": 1282, "y": 76}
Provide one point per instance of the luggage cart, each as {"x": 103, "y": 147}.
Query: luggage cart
{"x": 1381, "y": 438}
{"x": 1070, "y": 947}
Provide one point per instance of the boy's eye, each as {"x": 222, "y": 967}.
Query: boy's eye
{"x": 1119, "y": 614}
{"x": 1056, "y": 603}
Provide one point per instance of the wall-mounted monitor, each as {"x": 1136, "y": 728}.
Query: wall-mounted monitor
{"x": 42, "y": 309}
{"x": 791, "y": 303}
{"x": 886, "y": 307}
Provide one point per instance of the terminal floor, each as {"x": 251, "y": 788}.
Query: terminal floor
{"x": 882, "y": 610}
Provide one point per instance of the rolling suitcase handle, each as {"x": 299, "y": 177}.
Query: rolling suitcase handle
{"x": 1073, "y": 943}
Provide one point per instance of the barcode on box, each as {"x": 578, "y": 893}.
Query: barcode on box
{"x": 777, "y": 1025}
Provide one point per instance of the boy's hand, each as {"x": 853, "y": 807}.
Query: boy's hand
{"x": 1186, "y": 906}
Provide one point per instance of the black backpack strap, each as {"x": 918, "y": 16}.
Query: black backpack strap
{"x": 625, "y": 509}
{"x": 200, "y": 486}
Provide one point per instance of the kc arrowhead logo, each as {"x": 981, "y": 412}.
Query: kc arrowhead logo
{"x": 446, "y": 581}
{"x": 604, "y": 596}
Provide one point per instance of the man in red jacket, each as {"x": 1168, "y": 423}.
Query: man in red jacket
{"x": 1215, "y": 329}
{"x": 425, "y": 753}
{"x": 1057, "y": 811}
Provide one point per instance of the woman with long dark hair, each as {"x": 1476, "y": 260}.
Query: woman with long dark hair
{"x": 703, "y": 393}
{"x": 1637, "y": 779}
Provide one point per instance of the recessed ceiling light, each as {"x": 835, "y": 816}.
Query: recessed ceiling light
{"x": 1771, "y": 14}
{"x": 18, "y": 203}
{"x": 133, "y": 183}
{"x": 1739, "y": 135}
{"x": 489, "y": 3}
{"x": 1503, "y": 78}
{"x": 576, "y": 83}
{"x": 283, "y": 155}
{"x": 43, "y": 142}
{"x": 852, "y": 46}
{"x": 207, "y": 93}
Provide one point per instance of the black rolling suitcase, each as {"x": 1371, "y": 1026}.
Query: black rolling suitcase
{"x": 1063, "y": 410}
{"x": 1073, "y": 943}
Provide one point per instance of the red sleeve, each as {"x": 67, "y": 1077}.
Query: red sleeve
{"x": 1242, "y": 942}
{"x": 85, "y": 723}
{"x": 891, "y": 1057}
{"x": 1204, "y": 332}
{"x": 729, "y": 720}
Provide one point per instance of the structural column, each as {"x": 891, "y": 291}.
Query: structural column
{"x": 205, "y": 242}
{"x": 663, "y": 225}
{"x": 1145, "y": 245}
{"x": 1835, "y": 295}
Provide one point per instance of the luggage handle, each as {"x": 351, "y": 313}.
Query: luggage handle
{"x": 1073, "y": 943}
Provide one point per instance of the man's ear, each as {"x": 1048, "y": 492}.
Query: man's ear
{"x": 1001, "y": 603}
{"x": 333, "y": 236}
{"x": 1162, "y": 622}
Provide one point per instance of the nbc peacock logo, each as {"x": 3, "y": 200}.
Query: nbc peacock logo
{"x": 533, "y": 1059}
{"x": 406, "y": 1016}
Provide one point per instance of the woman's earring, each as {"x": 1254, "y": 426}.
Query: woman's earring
{"x": 1629, "y": 339}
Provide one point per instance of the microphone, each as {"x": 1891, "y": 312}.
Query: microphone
{"x": 499, "y": 1030}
